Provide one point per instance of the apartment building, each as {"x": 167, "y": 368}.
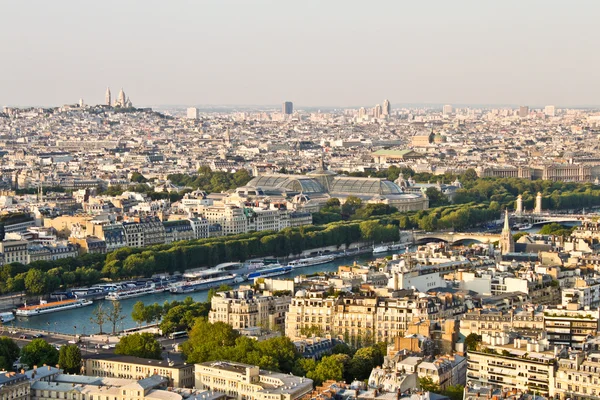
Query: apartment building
{"x": 248, "y": 382}
{"x": 128, "y": 367}
{"x": 14, "y": 386}
{"x": 365, "y": 317}
{"x": 493, "y": 323}
{"x": 570, "y": 328}
{"x": 14, "y": 251}
{"x": 231, "y": 218}
{"x": 147, "y": 231}
{"x": 509, "y": 367}
{"x": 578, "y": 377}
{"x": 309, "y": 309}
{"x": 178, "y": 230}
{"x": 246, "y": 309}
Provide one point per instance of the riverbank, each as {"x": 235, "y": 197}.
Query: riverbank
{"x": 64, "y": 322}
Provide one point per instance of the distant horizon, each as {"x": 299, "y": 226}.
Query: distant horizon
{"x": 327, "y": 107}
{"x": 332, "y": 54}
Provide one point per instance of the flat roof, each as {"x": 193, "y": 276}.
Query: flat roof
{"x": 137, "y": 361}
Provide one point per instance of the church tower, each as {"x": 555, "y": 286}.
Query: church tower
{"x": 107, "y": 97}
{"x": 122, "y": 99}
{"x": 507, "y": 243}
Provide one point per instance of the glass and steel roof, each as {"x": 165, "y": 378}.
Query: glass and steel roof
{"x": 368, "y": 186}
{"x": 287, "y": 182}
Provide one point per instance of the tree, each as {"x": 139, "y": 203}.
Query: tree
{"x": 115, "y": 315}
{"x": 69, "y": 359}
{"x": 39, "y": 352}
{"x": 330, "y": 367}
{"x": 9, "y": 352}
{"x": 35, "y": 282}
{"x": 454, "y": 392}
{"x": 143, "y": 345}
{"x": 436, "y": 198}
{"x": 99, "y": 317}
{"x": 351, "y": 204}
{"x": 205, "y": 337}
{"x": 138, "y": 178}
{"x": 472, "y": 341}
{"x": 138, "y": 313}
{"x": 469, "y": 175}
{"x": 428, "y": 385}
{"x": 364, "y": 360}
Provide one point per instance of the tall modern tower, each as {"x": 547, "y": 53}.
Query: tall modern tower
{"x": 550, "y": 111}
{"x": 387, "y": 108}
{"x": 507, "y": 243}
{"x": 447, "y": 109}
{"x": 523, "y": 111}
{"x": 288, "y": 108}
{"x": 107, "y": 97}
{"x": 192, "y": 113}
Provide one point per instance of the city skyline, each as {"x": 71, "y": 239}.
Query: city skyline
{"x": 265, "y": 53}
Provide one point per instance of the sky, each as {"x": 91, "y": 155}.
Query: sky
{"x": 341, "y": 53}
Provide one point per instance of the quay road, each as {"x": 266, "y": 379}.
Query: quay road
{"x": 93, "y": 344}
{"x": 65, "y": 321}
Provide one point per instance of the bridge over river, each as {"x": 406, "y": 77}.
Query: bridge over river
{"x": 546, "y": 218}
{"x": 455, "y": 237}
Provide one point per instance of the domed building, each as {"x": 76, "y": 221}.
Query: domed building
{"x": 311, "y": 191}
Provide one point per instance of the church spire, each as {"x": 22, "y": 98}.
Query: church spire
{"x": 506, "y": 224}
{"x": 507, "y": 242}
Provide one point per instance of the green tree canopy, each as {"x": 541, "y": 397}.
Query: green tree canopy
{"x": 472, "y": 341}
{"x": 428, "y": 385}
{"x": 39, "y": 352}
{"x": 143, "y": 345}
{"x": 9, "y": 353}
{"x": 69, "y": 359}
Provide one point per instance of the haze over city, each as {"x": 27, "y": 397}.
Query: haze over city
{"x": 299, "y": 200}
{"x": 316, "y": 53}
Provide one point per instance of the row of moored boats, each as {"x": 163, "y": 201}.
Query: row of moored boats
{"x": 222, "y": 274}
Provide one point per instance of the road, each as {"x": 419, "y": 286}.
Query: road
{"x": 88, "y": 345}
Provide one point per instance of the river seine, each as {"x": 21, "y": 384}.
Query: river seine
{"x": 77, "y": 321}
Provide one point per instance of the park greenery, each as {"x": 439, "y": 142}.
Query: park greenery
{"x": 556, "y": 230}
{"x": 175, "y": 316}
{"x": 219, "y": 341}
{"x": 143, "y": 345}
{"x": 38, "y": 352}
{"x": 477, "y": 203}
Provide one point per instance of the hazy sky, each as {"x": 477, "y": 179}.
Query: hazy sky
{"x": 312, "y": 52}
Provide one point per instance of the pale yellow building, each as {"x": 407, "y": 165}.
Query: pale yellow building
{"x": 128, "y": 367}
{"x": 248, "y": 382}
{"x": 245, "y": 309}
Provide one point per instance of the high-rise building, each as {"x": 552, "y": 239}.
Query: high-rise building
{"x": 362, "y": 112}
{"x": 387, "y": 108}
{"x": 550, "y": 111}
{"x": 288, "y": 108}
{"x": 192, "y": 113}
{"x": 523, "y": 111}
{"x": 107, "y": 97}
{"x": 377, "y": 111}
{"x": 447, "y": 109}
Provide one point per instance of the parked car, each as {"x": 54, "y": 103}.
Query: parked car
{"x": 23, "y": 337}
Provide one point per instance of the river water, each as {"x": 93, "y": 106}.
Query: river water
{"x": 78, "y": 320}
